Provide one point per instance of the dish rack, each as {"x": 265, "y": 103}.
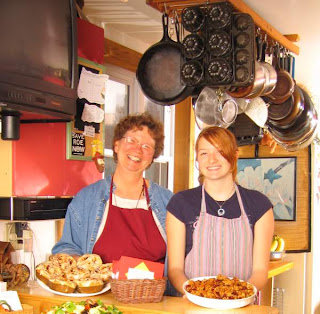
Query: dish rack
{"x": 278, "y": 299}
{"x": 138, "y": 290}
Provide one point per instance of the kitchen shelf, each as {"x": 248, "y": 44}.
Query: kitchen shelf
{"x": 239, "y": 6}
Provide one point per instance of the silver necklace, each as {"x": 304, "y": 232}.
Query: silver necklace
{"x": 142, "y": 192}
{"x": 221, "y": 210}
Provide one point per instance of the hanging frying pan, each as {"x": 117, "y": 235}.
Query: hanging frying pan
{"x": 284, "y": 85}
{"x": 302, "y": 127}
{"x": 159, "y": 69}
{"x": 285, "y": 114}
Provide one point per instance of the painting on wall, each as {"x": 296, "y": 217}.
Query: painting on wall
{"x": 274, "y": 177}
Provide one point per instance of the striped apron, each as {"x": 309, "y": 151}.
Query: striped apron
{"x": 220, "y": 245}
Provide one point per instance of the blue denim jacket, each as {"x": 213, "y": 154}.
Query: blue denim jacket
{"x": 86, "y": 210}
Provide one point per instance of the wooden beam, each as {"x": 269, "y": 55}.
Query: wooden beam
{"x": 238, "y": 5}
{"x": 121, "y": 56}
{"x": 293, "y": 37}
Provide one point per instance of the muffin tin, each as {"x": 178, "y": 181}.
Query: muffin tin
{"x": 244, "y": 57}
{"x": 219, "y": 49}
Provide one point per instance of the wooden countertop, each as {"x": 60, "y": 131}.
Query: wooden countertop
{"x": 278, "y": 267}
{"x": 43, "y": 300}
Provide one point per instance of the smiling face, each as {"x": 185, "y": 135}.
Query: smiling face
{"x": 131, "y": 156}
{"x": 212, "y": 164}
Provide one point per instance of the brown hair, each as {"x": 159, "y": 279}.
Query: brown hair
{"x": 137, "y": 122}
{"x": 225, "y": 141}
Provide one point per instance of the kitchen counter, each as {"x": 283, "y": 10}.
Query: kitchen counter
{"x": 42, "y": 300}
{"x": 278, "y": 267}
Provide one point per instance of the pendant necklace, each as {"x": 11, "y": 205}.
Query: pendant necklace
{"x": 142, "y": 192}
{"x": 221, "y": 211}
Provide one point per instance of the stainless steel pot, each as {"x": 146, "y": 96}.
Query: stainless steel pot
{"x": 301, "y": 133}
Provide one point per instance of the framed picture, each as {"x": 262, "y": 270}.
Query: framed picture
{"x": 274, "y": 177}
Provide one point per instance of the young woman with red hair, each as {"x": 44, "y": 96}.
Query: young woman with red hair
{"x": 218, "y": 227}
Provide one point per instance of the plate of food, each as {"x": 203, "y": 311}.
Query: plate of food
{"x": 219, "y": 292}
{"x": 64, "y": 275}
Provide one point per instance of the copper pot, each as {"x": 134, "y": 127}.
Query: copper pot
{"x": 285, "y": 114}
{"x": 284, "y": 86}
{"x": 301, "y": 128}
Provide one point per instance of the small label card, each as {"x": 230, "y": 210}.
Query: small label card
{"x": 12, "y": 298}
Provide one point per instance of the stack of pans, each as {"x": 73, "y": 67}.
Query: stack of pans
{"x": 294, "y": 123}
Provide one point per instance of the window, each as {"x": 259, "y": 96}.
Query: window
{"x": 124, "y": 96}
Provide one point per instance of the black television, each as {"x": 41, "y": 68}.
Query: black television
{"x": 38, "y": 59}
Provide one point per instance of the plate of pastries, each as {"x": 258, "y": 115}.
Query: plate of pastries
{"x": 219, "y": 292}
{"x": 64, "y": 275}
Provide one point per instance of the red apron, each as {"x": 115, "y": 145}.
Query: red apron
{"x": 130, "y": 232}
{"x": 220, "y": 245}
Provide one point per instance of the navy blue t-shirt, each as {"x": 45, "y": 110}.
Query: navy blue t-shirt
{"x": 186, "y": 205}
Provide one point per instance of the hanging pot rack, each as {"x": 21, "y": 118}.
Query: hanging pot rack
{"x": 286, "y": 41}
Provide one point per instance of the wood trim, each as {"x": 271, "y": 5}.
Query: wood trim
{"x": 184, "y": 146}
{"x": 239, "y": 5}
{"x": 293, "y": 37}
{"x": 59, "y": 229}
{"x": 277, "y": 268}
{"x": 121, "y": 56}
{"x": 297, "y": 234}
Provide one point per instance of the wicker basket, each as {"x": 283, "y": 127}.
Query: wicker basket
{"x": 138, "y": 290}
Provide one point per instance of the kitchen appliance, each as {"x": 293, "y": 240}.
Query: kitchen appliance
{"x": 38, "y": 61}
{"x": 33, "y": 208}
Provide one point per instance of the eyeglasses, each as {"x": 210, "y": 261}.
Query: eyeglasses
{"x": 146, "y": 148}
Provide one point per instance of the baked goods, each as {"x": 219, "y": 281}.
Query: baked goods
{"x": 64, "y": 274}
{"x": 220, "y": 287}
{"x": 62, "y": 260}
{"x": 104, "y": 272}
{"x": 89, "y": 285}
{"x": 89, "y": 261}
{"x": 61, "y": 284}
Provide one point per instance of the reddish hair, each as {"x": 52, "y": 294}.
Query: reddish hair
{"x": 137, "y": 122}
{"x": 225, "y": 141}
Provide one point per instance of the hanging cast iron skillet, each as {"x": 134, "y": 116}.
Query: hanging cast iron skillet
{"x": 159, "y": 68}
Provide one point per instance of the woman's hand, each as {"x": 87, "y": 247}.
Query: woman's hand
{"x": 176, "y": 235}
{"x": 263, "y": 233}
